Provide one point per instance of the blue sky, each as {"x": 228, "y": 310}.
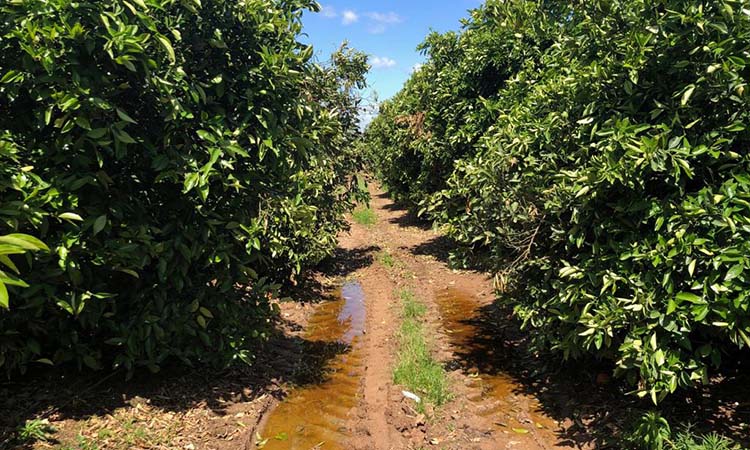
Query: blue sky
{"x": 388, "y": 30}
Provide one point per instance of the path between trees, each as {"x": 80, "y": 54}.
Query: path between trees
{"x": 489, "y": 409}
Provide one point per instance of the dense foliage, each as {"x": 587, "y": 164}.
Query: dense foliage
{"x": 179, "y": 160}
{"x": 596, "y": 155}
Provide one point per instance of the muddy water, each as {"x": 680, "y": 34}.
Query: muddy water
{"x": 479, "y": 352}
{"x": 314, "y": 416}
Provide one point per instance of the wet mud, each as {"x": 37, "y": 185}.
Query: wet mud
{"x": 478, "y": 352}
{"x": 315, "y": 416}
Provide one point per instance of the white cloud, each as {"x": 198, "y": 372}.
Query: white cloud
{"x": 349, "y": 17}
{"x": 389, "y": 18}
{"x": 416, "y": 67}
{"x": 377, "y": 22}
{"x": 382, "y": 62}
{"x": 329, "y": 12}
{"x": 380, "y": 22}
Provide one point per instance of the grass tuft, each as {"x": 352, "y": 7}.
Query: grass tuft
{"x": 386, "y": 259}
{"x": 688, "y": 440}
{"x": 652, "y": 431}
{"x": 365, "y": 216}
{"x": 35, "y": 430}
{"x": 416, "y": 368}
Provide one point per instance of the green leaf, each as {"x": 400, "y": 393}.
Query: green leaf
{"x": 687, "y": 94}
{"x": 671, "y": 307}
{"x": 123, "y": 136}
{"x": 744, "y": 337}
{"x": 130, "y": 272}
{"x": 4, "y": 299}
{"x": 734, "y": 272}
{"x": 100, "y": 223}
{"x": 24, "y": 241}
{"x": 121, "y": 114}
{"x": 97, "y": 133}
{"x": 10, "y": 249}
{"x": 9, "y": 76}
{"x": 11, "y": 280}
{"x": 583, "y": 191}
{"x": 6, "y": 261}
{"x": 71, "y": 216}
{"x": 90, "y": 362}
{"x": 206, "y": 136}
{"x": 689, "y": 297}
{"x": 659, "y": 357}
{"x": 66, "y": 306}
{"x": 713, "y": 68}
{"x": 83, "y": 123}
{"x": 167, "y": 46}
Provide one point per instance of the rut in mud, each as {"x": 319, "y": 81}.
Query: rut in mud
{"x": 476, "y": 351}
{"x": 317, "y": 415}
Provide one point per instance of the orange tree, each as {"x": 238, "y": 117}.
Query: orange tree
{"x": 598, "y": 165}
{"x": 177, "y": 160}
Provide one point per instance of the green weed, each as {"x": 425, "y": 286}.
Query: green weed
{"x": 365, "y": 216}
{"x": 688, "y": 440}
{"x": 385, "y": 258}
{"x": 416, "y": 368}
{"x": 652, "y": 432}
{"x": 35, "y": 430}
{"x": 82, "y": 443}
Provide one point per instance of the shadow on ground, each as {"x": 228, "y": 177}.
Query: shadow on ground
{"x": 409, "y": 218}
{"x": 442, "y": 248}
{"x": 345, "y": 262}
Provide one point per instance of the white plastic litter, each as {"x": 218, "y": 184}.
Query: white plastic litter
{"x": 414, "y": 397}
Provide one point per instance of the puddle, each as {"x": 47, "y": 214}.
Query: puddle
{"x": 315, "y": 416}
{"x": 479, "y": 353}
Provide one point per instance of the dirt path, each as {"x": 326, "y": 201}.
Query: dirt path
{"x": 371, "y": 429}
{"x": 489, "y": 411}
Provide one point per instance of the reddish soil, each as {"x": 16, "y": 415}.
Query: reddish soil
{"x": 479, "y": 415}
